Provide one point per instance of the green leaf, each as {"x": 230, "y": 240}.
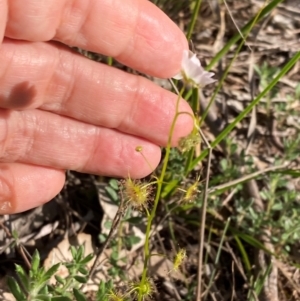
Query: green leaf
{"x": 47, "y": 275}
{"x": 44, "y": 290}
{"x": 132, "y": 240}
{"x": 115, "y": 254}
{"x": 297, "y": 91}
{"x": 43, "y": 298}
{"x": 104, "y": 288}
{"x": 114, "y": 184}
{"x": 261, "y": 280}
{"x": 83, "y": 271}
{"x": 169, "y": 188}
{"x": 22, "y": 276}
{"x": 60, "y": 279}
{"x": 15, "y": 235}
{"x": 277, "y": 207}
{"x": 15, "y": 289}
{"x": 69, "y": 265}
{"x": 108, "y": 224}
{"x": 135, "y": 220}
{"x": 251, "y": 240}
{"x": 79, "y": 295}
{"x": 224, "y": 164}
{"x": 102, "y": 237}
{"x": 73, "y": 252}
{"x": 60, "y": 298}
{"x": 101, "y": 291}
{"x": 80, "y": 279}
{"x": 112, "y": 194}
{"x": 87, "y": 259}
{"x": 244, "y": 254}
{"x": 80, "y": 253}
{"x": 35, "y": 262}
{"x": 291, "y": 172}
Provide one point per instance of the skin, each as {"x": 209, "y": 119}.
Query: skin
{"x": 59, "y": 110}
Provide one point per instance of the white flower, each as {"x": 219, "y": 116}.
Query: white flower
{"x": 192, "y": 72}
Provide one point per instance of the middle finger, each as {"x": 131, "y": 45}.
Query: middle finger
{"x": 54, "y": 78}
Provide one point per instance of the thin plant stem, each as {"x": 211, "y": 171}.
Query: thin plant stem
{"x": 219, "y": 188}
{"x": 203, "y": 221}
{"x": 22, "y": 250}
{"x": 157, "y": 197}
{"x": 217, "y": 257}
{"x": 195, "y": 108}
{"x": 115, "y": 225}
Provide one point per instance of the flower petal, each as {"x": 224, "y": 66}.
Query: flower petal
{"x": 205, "y": 79}
{"x": 192, "y": 71}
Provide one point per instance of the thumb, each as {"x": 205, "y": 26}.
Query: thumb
{"x": 24, "y": 186}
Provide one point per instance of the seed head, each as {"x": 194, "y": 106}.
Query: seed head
{"x": 190, "y": 141}
{"x": 115, "y": 296}
{"x": 136, "y": 193}
{"x": 145, "y": 289}
{"x": 179, "y": 258}
{"x": 191, "y": 193}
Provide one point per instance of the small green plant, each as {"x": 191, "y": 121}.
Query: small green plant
{"x": 35, "y": 285}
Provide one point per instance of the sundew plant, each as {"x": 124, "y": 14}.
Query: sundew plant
{"x": 223, "y": 206}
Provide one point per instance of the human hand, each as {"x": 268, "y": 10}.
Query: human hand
{"x": 59, "y": 110}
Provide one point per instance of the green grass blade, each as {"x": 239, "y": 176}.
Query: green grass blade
{"x": 194, "y": 19}
{"x": 243, "y": 35}
{"x": 244, "y": 30}
{"x": 248, "y": 109}
{"x": 244, "y": 254}
{"x": 212, "y": 277}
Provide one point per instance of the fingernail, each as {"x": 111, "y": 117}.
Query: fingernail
{"x": 5, "y": 207}
{"x": 5, "y": 195}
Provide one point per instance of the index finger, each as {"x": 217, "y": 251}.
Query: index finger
{"x": 135, "y": 32}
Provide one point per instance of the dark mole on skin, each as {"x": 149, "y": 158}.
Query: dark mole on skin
{"x": 20, "y": 97}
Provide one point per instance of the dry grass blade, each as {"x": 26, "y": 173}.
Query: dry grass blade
{"x": 115, "y": 224}
{"x": 203, "y": 221}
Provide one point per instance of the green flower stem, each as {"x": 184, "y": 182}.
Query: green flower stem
{"x": 195, "y": 107}
{"x": 157, "y": 197}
